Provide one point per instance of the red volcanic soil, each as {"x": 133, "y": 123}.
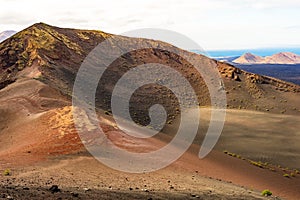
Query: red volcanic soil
{"x": 30, "y": 128}
{"x": 41, "y": 147}
{"x": 36, "y": 148}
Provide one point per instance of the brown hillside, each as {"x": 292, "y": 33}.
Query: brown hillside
{"x": 38, "y": 67}
{"x": 53, "y": 55}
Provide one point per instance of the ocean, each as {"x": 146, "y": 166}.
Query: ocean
{"x": 259, "y": 52}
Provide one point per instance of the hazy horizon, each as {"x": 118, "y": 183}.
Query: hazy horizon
{"x": 213, "y": 24}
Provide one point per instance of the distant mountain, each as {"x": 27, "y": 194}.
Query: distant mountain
{"x": 283, "y": 58}
{"x": 6, "y": 34}
{"x": 248, "y": 58}
{"x": 279, "y": 58}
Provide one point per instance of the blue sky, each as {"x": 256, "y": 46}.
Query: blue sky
{"x": 213, "y": 24}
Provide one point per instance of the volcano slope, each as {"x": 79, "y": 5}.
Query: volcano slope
{"x": 40, "y": 144}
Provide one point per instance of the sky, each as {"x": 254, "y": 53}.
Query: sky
{"x": 213, "y": 24}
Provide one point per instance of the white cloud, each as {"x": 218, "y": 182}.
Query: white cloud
{"x": 212, "y": 23}
{"x": 260, "y": 4}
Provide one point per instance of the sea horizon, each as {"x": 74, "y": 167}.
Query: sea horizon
{"x": 238, "y": 52}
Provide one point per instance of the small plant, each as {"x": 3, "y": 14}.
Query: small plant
{"x": 283, "y": 111}
{"x": 7, "y": 172}
{"x": 170, "y": 122}
{"x": 286, "y": 175}
{"x": 232, "y": 154}
{"x": 272, "y": 169}
{"x": 292, "y": 174}
{"x": 266, "y": 193}
{"x": 257, "y": 164}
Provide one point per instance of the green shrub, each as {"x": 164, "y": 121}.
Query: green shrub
{"x": 7, "y": 172}
{"x": 170, "y": 122}
{"x": 232, "y": 154}
{"x": 286, "y": 175}
{"x": 257, "y": 164}
{"x": 272, "y": 169}
{"x": 266, "y": 193}
{"x": 292, "y": 174}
